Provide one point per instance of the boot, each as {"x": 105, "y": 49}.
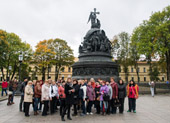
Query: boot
{"x": 69, "y": 118}
{"x": 62, "y": 119}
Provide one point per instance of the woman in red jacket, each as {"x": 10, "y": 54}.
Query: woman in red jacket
{"x": 132, "y": 93}
{"x": 4, "y": 87}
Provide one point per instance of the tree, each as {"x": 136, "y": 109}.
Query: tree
{"x": 154, "y": 38}
{"x": 63, "y": 55}
{"x": 121, "y": 47}
{"x": 43, "y": 56}
{"x": 10, "y": 50}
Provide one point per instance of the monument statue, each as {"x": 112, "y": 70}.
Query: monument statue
{"x": 95, "y": 60}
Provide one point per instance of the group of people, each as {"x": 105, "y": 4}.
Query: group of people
{"x": 104, "y": 96}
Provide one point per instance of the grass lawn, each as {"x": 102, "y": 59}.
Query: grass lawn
{"x": 0, "y": 88}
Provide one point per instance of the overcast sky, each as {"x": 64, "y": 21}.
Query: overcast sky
{"x": 36, "y": 20}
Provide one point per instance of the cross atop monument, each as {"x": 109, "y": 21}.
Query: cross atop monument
{"x": 95, "y": 23}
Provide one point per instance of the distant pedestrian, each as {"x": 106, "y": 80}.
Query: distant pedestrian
{"x": 4, "y": 87}
{"x": 152, "y": 87}
{"x": 132, "y": 93}
{"x": 28, "y": 95}
{"x": 10, "y": 93}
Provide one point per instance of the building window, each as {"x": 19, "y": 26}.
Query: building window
{"x": 144, "y": 69}
{"x": 163, "y": 79}
{"x": 69, "y": 69}
{"x": 144, "y": 79}
{"x": 132, "y": 69}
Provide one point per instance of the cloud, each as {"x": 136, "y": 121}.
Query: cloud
{"x": 36, "y": 20}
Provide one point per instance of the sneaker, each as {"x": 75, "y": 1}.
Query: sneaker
{"x": 91, "y": 113}
{"x": 134, "y": 111}
{"x": 87, "y": 113}
{"x": 128, "y": 111}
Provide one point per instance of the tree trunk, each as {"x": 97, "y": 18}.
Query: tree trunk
{"x": 56, "y": 73}
{"x": 137, "y": 72}
{"x": 2, "y": 70}
{"x": 14, "y": 71}
{"x": 168, "y": 64}
{"x": 43, "y": 73}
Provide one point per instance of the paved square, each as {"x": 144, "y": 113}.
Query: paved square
{"x": 149, "y": 110}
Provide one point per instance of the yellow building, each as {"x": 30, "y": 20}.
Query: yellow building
{"x": 143, "y": 73}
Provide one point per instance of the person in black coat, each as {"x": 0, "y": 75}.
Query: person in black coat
{"x": 76, "y": 94}
{"x": 121, "y": 94}
{"x": 69, "y": 91}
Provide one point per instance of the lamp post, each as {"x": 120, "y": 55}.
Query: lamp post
{"x": 10, "y": 68}
{"x": 20, "y": 61}
{"x": 20, "y": 58}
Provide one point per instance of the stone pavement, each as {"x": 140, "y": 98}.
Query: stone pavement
{"x": 149, "y": 110}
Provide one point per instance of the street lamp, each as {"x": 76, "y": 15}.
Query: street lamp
{"x": 20, "y": 61}
{"x": 20, "y": 58}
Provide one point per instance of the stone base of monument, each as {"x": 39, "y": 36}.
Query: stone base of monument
{"x": 95, "y": 65}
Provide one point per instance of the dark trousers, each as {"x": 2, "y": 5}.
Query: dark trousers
{"x": 67, "y": 108}
{"x": 109, "y": 107}
{"x": 75, "y": 109}
{"x": 121, "y": 108}
{"x": 132, "y": 104}
{"x": 45, "y": 109}
{"x": 97, "y": 105}
{"x": 21, "y": 104}
{"x": 53, "y": 104}
{"x": 27, "y": 106}
{"x": 83, "y": 106}
{"x": 62, "y": 106}
{"x": 89, "y": 106}
{"x": 113, "y": 106}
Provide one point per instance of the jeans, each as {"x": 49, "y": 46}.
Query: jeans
{"x": 4, "y": 89}
{"x": 83, "y": 106}
{"x": 105, "y": 104}
{"x": 21, "y": 104}
{"x": 36, "y": 102}
{"x": 13, "y": 94}
{"x": 152, "y": 91}
{"x": 132, "y": 104}
{"x": 89, "y": 106}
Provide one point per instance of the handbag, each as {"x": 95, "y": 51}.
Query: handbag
{"x": 117, "y": 103}
{"x": 106, "y": 97}
{"x": 134, "y": 94}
